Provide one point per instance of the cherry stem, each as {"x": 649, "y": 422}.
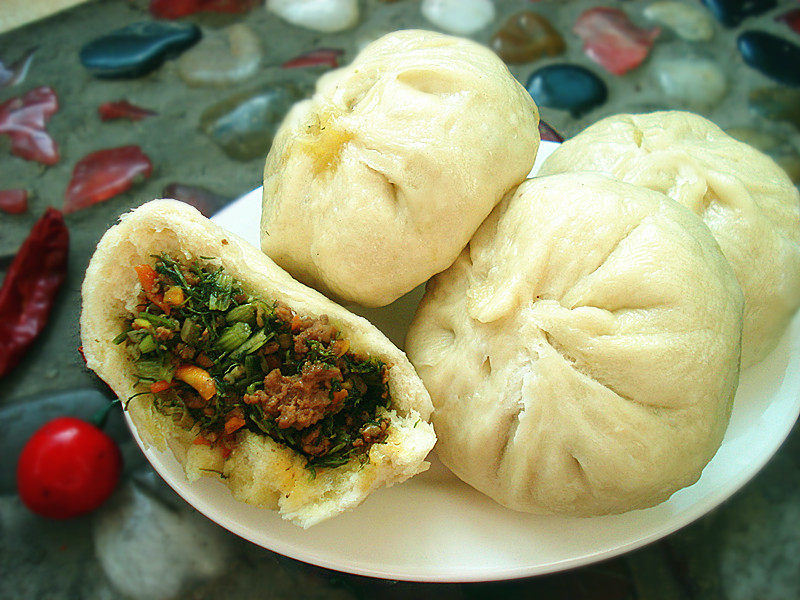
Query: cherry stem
{"x": 99, "y": 418}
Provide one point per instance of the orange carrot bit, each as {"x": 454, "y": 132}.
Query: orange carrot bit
{"x": 201, "y": 441}
{"x": 297, "y": 323}
{"x": 234, "y": 424}
{"x": 160, "y": 386}
{"x": 339, "y": 395}
{"x": 147, "y": 277}
{"x": 198, "y": 378}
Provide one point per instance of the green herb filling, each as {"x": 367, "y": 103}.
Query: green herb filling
{"x": 220, "y": 360}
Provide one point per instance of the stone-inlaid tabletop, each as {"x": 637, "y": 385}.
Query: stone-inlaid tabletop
{"x": 209, "y": 116}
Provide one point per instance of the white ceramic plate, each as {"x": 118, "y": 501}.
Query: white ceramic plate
{"x": 436, "y": 528}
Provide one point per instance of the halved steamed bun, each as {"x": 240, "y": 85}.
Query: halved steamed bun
{"x": 258, "y": 470}
{"x": 380, "y": 179}
{"x": 582, "y": 353}
{"x": 747, "y": 201}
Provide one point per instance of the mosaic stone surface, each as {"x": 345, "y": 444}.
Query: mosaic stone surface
{"x": 137, "y": 49}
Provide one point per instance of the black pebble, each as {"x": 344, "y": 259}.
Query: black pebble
{"x": 732, "y": 12}
{"x": 137, "y": 49}
{"x": 772, "y": 56}
{"x": 568, "y": 87}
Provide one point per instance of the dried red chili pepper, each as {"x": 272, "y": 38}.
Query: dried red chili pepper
{"x": 175, "y": 9}
{"x": 321, "y": 56}
{"x": 23, "y": 119}
{"x": 104, "y": 174}
{"x": 30, "y": 287}
{"x": 14, "y": 202}
{"x": 122, "y": 109}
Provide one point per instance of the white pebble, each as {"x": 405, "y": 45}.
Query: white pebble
{"x": 688, "y": 21}
{"x": 698, "y": 82}
{"x": 320, "y": 15}
{"x": 151, "y": 552}
{"x": 223, "y": 57}
{"x": 461, "y": 17}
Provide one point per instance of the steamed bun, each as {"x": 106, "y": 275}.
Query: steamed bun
{"x": 380, "y": 179}
{"x": 747, "y": 201}
{"x": 582, "y": 353}
{"x": 258, "y": 470}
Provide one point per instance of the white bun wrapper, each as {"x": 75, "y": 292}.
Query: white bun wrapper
{"x": 744, "y": 197}
{"x": 380, "y": 179}
{"x": 259, "y": 470}
{"x": 582, "y": 353}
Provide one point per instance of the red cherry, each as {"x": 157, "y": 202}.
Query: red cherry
{"x": 68, "y": 467}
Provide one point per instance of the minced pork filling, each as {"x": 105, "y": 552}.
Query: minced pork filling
{"x": 220, "y": 361}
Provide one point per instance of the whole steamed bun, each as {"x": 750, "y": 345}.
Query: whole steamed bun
{"x": 582, "y": 353}
{"x": 747, "y": 201}
{"x": 380, "y": 179}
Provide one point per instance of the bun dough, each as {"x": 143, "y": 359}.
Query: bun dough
{"x": 379, "y": 180}
{"x": 582, "y": 353}
{"x": 259, "y": 471}
{"x": 747, "y": 201}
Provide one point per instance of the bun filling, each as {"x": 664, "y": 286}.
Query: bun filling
{"x": 220, "y": 361}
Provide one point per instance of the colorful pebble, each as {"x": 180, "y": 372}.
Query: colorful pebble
{"x": 137, "y": 49}
{"x": 567, "y": 87}
{"x": 688, "y": 21}
{"x": 122, "y": 109}
{"x": 244, "y": 125}
{"x": 693, "y": 81}
{"x": 328, "y": 57}
{"x": 16, "y": 72}
{"x": 228, "y": 56}
{"x": 548, "y": 134}
{"x": 772, "y": 56}
{"x": 175, "y": 9}
{"x": 612, "y": 40}
{"x": 203, "y": 199}
{"x": 732, "y": 12}
{"x": 791, "y": 18}
{"x": 23, "y": 120}
{"x": 104, "y": 174}
{"x": 526, "y": 36}
{"x": 462, "y": 17}
{"x": 776, "y": 104}
{"x": 14, "y": 202}
{"x": 318, "y": 15}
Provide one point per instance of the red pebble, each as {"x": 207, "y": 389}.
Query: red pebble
{"x": 104, "y": 174}
{"x": 175, "y": 9}
{"x": 23, "y": 119}
{"x": 122, "y": 109}
{"x": 791, "y": 18}
{"x": 322, "y": 56}
{"x": 612, "y": 40}
{"x": 548, "y": 134}
{"x": 14, "y": 202}
{"x": 204, "y": 200}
